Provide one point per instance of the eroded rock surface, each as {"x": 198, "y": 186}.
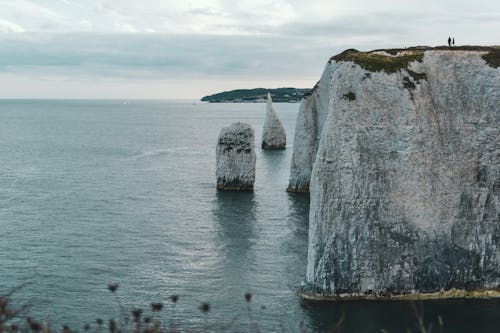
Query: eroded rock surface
{"x": 273, "y": 134}
{"x": 405, "y": 180}
{"x": 235, "y": 155}
{"x": 310, "y": 119}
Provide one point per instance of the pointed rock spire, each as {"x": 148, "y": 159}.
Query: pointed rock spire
{"x": 273, "y": 134}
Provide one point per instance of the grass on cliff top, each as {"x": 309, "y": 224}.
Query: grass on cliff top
{"x": 376, "y": 62}
{"x": 492, "y": 58}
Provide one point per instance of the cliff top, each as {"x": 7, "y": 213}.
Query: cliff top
{"x": 392, "y": 60}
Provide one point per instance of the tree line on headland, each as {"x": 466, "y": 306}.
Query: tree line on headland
{"x": 258, "y": 95}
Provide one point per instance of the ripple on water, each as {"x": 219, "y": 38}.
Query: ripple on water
{"x": 98, "y": 191}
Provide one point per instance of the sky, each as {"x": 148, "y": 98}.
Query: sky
{"x": 188, "y": 48}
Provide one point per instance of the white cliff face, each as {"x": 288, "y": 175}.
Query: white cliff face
{"x": 273, "y": 134}
{"x": 235, "y": 155}
{"x": 405, "y": 183}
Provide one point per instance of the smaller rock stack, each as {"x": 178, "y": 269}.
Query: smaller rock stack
{"x": 235, "y": 155}
{"x": 273, "y": 134}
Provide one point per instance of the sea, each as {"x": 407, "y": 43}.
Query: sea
{"x": 94, "y": 192}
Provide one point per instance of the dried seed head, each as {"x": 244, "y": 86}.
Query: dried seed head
{"x": 112, "y": 325}
{"x": 205, "y": 307}
{"x": 112, "y": 286}
{"x": 156, "y": 306}
{"x": 3, "y": 304}
{"x": 86, "y": 327}
{"x": 34, "y": 326}
{"x": 248, "y": 297}
{"x": 174, "y": 298}
{"x": 137, "y": 314}
{"x": 98, "y": 321}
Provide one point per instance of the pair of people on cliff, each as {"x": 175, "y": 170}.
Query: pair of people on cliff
{"x": 451, "y": 41}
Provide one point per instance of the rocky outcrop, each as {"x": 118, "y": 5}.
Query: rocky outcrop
{"x": 273, "y": 134}
{"x": 235, "y": 155}
{"x": 308, "y": 128}
{"x": 402, "y": 149}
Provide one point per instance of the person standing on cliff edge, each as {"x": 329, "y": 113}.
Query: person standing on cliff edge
{"x": 453, "y": 41}
{"x": 449, "y": 41}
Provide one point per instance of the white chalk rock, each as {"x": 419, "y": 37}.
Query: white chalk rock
{"x": 404, "y": 173}
{"x": 236, "y": 158}
{"x": 312, "y": 114}
{"x": 273, "y": 134}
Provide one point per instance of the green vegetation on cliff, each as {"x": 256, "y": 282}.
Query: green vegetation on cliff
{"x": 492, "y": 58}
{"x": 377, "y": 62}
{"x": 257, "y": 95}
{"x": 392, "y": 60}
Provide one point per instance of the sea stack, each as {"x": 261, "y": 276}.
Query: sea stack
{"x": 236, "y": 158}
{"x": 273, "y": 134}
{"x": 307, "y": 131}
{"x": 401, "y": 151}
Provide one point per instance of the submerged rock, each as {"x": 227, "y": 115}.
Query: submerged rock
{"x": 273, "y": 134}
{"x": 402, "y": 152}
{"x": 235, "y": 154}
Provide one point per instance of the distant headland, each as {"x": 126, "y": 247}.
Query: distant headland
{"x": 258, "y": 95}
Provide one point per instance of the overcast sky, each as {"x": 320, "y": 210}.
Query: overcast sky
{"x": 187, "y": 49}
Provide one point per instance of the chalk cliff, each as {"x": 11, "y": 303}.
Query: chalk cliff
{"x": 310, "y": 119}
{"x": 235, "y": 158}
{"x": 273, "y": 133}
{"x": 401, "y": 151}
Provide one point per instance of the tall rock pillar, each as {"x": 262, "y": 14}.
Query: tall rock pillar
{"x": 236, "y": 158}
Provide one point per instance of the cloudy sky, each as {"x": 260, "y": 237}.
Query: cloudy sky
{"x": 190, "y": 48}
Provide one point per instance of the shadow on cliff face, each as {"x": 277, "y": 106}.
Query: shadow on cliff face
{"x": 400, "y": 316}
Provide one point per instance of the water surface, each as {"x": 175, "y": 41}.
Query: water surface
{"x": 99, "y": 191}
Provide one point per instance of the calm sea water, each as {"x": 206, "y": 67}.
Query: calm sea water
{"x": 100, "y": 191}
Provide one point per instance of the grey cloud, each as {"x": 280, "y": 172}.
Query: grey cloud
{"x": 396, "y": 29}
{"x": 207, "y": 11}
{"x": 164, "y": 55}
